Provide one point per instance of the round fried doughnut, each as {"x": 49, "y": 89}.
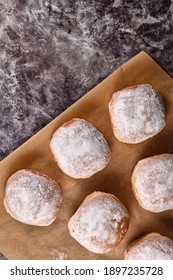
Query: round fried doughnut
{"x": 152, "y": 246}
{"x": 100, "y": 222}
{"x": 32, "y": 198}
{"x": 152, "y": 183}
{"x": 79, "y": 149}
{"x": 137, "y": 113}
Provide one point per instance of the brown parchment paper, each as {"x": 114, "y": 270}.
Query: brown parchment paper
{"x": 20, "y": 241}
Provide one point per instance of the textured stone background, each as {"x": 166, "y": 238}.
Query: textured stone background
{"x": 53, "y": 52}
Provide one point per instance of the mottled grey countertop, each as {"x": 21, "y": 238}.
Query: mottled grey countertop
{"x": 52, "y": 52}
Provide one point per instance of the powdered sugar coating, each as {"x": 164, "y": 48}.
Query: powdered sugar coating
{"x": 100, "y": 222}
{"x": 79, "y": 149}
{"x": 152, "y": 182}
{"x": 32, "y": 198}
{"x": 151, "y": 247}
{"x": 137, "y": 113}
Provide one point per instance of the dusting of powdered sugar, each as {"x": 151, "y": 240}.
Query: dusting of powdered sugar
{"x": 137, "y": 113}
{"x": 32, "y": 198}
{"x": 99, "y": 223}
{"x": 153, "y": 182}
{"x": 58, "y": 255}
{"x": 79, "y": 149}
{"x": 152, "y": 248}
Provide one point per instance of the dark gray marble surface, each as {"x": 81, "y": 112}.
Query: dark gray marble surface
{"x": 52, "y": 52}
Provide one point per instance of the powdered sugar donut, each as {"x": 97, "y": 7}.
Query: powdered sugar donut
{"x": 79, "y": 149}
{"x": 100, "y": 223}
{"x": 32, "y": 198}
{"x": 137, "y": 113}
{"x": 152, "y": 183}
{"x": 152, "y": 246}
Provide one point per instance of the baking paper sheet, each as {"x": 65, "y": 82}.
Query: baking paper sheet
{"x": 20, "y": 241}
